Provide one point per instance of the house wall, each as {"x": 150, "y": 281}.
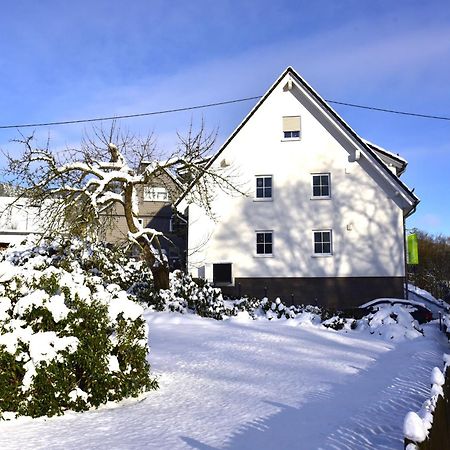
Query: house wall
{"x": 364, "y": 212}
{"x": 17, "y": 221}
{"x": 155, "y": 214}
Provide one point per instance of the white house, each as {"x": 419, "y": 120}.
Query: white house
{"x": 323, "y": 218}
{"x": 17, "y": 220}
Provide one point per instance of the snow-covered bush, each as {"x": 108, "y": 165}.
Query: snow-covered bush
{"x": 338, "y": 323}
{"x": 199, "y": 297}
{"x": 187, "y": 294}
{"x": 68, "y": 338}
{"x": 112, "y": 264}
{"x": 391, "y": 322}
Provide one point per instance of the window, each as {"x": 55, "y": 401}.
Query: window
{"x": 222, "y": 273}
{"x": 264, "y": 187}
{"x": 322, "y": 242}
{"x": 155, "y": 194}
{"x": 264, "y": 242}
{"x": 321, "y": 185}
{"x": 291, "y": 127}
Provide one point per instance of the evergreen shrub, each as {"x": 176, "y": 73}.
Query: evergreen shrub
{"x": 69, "y": 337}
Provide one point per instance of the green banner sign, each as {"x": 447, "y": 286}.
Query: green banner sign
{"x": 413, "y": 250}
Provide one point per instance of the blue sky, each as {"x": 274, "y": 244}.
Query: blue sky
{"x": 70, "y": 60}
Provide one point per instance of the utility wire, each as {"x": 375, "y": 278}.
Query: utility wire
{"x": 209, "y": 105}
{"x": 426, "y": 116}
{"x": 128, "y": 116}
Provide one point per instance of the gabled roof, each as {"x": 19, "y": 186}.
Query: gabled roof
{"x": 327, "y": 110}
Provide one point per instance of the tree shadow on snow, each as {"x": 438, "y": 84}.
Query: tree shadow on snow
{"x": 193, "y": 443}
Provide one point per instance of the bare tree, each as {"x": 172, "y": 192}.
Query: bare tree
{"x": 78, "y": 189}
{"x": 433, "y": 271}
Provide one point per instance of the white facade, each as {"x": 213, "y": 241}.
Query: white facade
{"x": 364, "y": 211}
{"x": 17, "y": 221}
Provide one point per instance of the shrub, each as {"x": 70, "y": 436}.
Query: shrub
{"x": 186, "y": 294}
{"x": 112, "y": 264}
{"x": 68, "y": 339}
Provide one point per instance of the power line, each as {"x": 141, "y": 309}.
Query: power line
{"x": 128, "y": 116}
{"x": 392, "y": 111}
{"x": 209, "y": 105}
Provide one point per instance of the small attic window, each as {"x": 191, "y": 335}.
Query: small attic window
{"x": 155, "y": 194}
{"x": 291, "y": 127}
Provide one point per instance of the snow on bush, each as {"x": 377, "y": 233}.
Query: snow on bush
{"x": 416, "y": 426}
{"x": 197, "y": 296}
{"x": 186, "y": 294}
{"x": 391, "y": 322}
{"x": 69, "y": 338}
{"x": 189, "y": 295}
{"x": 113, "y": 266}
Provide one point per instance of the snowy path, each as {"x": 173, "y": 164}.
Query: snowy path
{"x": 256, "y": 385}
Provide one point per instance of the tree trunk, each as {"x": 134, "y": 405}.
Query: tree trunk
{"x": 160, "y": 269}
{"x": 160, "y": 276}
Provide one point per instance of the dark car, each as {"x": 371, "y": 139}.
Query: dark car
{"x": 418, "y": 311}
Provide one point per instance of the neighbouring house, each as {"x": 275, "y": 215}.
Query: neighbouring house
{"x": 322, "y": 221}
{"x": 18, "y": 219}
{"x": 156, "y": 211}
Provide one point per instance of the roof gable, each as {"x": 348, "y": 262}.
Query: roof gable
{"x": 373, "y": 153}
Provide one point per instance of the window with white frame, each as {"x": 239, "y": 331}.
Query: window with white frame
{"x": 264, "y": 243}
{"x": 155, "y": 194}
{"x": 321, "y": 186}
{"x": 322, "y": 242}
{"x": 291, "y": 127}
{"x": 263, "y": 187}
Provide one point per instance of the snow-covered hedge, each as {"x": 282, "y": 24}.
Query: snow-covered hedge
{"x": 417, "y": 426}
{"x": 197, "y": 296}
{"x": 188, "y": 295}
{"x": 69, "y": 338}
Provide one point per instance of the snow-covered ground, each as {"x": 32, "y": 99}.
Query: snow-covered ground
{"x": 241, "y": 384}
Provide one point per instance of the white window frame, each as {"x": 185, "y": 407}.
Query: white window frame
{"x": 286, "y": 129}
{"x": 320, "y": 197}
{"x": 263, "y": 199}
{"x": 263, "y": 255}
{"x": 156, "y": 194}
{"x": 318, "y": 254}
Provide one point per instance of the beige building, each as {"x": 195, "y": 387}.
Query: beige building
{"x": 155, "y": 211}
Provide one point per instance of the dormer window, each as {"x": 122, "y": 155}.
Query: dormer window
{"x": 155, "y": 194}
{"x": 291, "y": 127}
